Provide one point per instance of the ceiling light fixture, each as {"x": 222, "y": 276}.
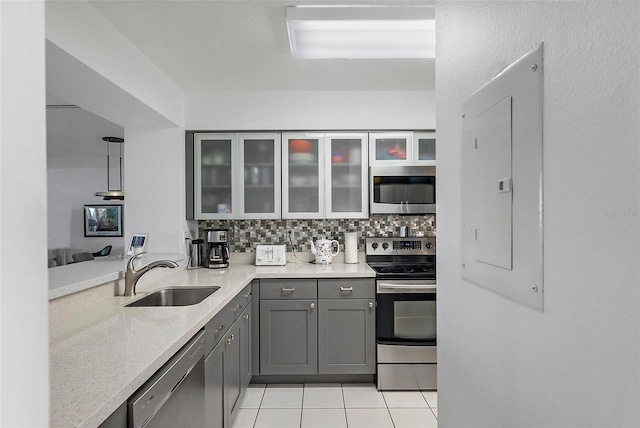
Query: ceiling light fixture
{"x": 361, "y": 31}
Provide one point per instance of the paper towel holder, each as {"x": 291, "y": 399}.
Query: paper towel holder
{"x": 350, "y": 247}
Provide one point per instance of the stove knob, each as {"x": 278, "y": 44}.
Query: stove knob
{"x": 429, "y": 245}
{"x": 374, "y": 245}
{"x": 385, "y": 245}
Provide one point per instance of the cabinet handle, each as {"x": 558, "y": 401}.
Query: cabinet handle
{"x": 220, "y": 327}
{"x": 346, "y": 288}
{"x": 313, "y": 305}
{"x": 228, "y": 341}
{"x": 371, "y": 304}
{"x": 246, "y": 316}
{"x": 288, "y": 289}
{"x": 238, "y": 308}
{"x": 246, "y": 296}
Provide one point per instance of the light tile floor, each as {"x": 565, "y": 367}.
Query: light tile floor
{"x": 335, "y": 406}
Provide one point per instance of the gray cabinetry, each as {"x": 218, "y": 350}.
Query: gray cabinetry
{"x": 214, "y": 387}
{"x": 237, "y": 363}
{"x": 288, "y": 337}
{"x": 347, "y": 288}
{"x": 288, "y": 289}
{"x": 346, "y": 336}
{"x": 346, "y": 326}
{"x": 228, "y": 365}
{"x": 233, "y": 175}
{"x": 310, "y": 326}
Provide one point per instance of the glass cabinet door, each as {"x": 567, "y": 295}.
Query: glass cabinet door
{"x": 214, "y": 175}
{"x": 346, "y": 182}
{"x": 425, "y": 148}
{"x": 259, "y": 175}
{"x": 390, "y": 148}
{"x": 301, "y": 186}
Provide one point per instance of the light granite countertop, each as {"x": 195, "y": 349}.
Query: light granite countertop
{"x": 101, "y": 351}
{"x": 74, "y": 277}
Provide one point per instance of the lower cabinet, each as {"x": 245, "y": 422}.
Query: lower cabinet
{"x": 214, "y": 387}
{"x": 237, "y": 363}
{"x": 288, "y": 337}
{"x": 346, "y": 336}
{"x": 323, "y": 326}
{"x": 228, "y": 365}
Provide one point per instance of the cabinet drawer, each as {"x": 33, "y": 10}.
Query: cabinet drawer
{"x": 288, "y": 289}
{"x": 355, "y": 288}
{"x": 217, "y": 327}
{"x": 241, "y": 301}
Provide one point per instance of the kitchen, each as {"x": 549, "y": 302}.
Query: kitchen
{"x": 477, "y": 373}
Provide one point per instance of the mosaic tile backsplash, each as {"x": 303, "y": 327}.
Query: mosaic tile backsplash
{"x": 244, "y": 235}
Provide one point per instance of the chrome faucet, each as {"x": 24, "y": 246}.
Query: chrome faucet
{"x": 131, "y": 276}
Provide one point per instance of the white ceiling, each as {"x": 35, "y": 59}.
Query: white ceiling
{"x": 242, "y": 45}
{"x": 74, "y": 138}
{"x": 222, "y": 45}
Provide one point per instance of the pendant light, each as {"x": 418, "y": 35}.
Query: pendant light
{"x": 113, "y": 192}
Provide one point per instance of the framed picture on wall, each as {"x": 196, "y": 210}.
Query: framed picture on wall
{"x": 137, "y": 244}
{"x": 102, "y": 220}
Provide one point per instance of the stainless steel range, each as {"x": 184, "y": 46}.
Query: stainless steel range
{"x": 406, "y": 326}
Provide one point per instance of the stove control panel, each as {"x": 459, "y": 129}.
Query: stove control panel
{"x": 406, "y": 245}
{"x": 400, "y": 246}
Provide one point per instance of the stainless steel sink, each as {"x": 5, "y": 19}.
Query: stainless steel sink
{"x": 176, "y": 296}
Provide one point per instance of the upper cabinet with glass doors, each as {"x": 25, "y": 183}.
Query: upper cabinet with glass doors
{"x": 324, "y": 175}
{"x": 402, "y": 148}
{"x": 424, "y": 145}
{"x": 302, "y": 163}
{"x": 214, "y": 160}
{"x": 346, "y": 177}
{"x": 236, "y": 176}
{"x": 259, "y": 176}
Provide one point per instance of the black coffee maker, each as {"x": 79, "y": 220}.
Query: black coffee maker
{"x": 216, "y": 249}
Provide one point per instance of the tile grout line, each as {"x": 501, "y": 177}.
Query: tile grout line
{"x": 344, "y": 405}
{"x": 304, "y": 387}
{"x": 388, "y": 409}
{"x": 264, "y": 391}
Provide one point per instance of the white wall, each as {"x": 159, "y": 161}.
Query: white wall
{"x": 68, "y": 190}
{"x": 24, "y": 350}
{"x": 90, "y": 64}
{"x": 577, "y": 364}
{"x": 155, "y": 192}
{"x": 310, "y": 110}
{"x": 81, "y": 31}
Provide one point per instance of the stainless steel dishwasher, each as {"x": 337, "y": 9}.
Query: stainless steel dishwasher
{"x": 174, "y": 395}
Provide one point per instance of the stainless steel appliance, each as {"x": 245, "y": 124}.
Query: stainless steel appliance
{"x": 217, "y": 250}
{"x": 406, "y": 326}
{"x": 402, "y": 189}
{"x": 271, "y": 255}
{"x": 195, "y": 253}
{"x": 174, "y": 395}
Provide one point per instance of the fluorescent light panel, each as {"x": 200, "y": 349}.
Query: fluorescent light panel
{"x": 361, "y": 31}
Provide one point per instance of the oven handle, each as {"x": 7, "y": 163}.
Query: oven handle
{"x": 428, "y": 288}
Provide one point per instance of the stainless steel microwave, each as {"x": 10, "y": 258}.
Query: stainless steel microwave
{"x": 402, "y": 189}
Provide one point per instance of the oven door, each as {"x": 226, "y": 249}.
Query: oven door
{"x": 406, "y": 313}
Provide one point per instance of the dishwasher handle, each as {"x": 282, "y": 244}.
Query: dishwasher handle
{"x": 150, "y": 397}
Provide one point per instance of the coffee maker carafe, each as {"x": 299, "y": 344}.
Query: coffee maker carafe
{"x": 217, "y": 251}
